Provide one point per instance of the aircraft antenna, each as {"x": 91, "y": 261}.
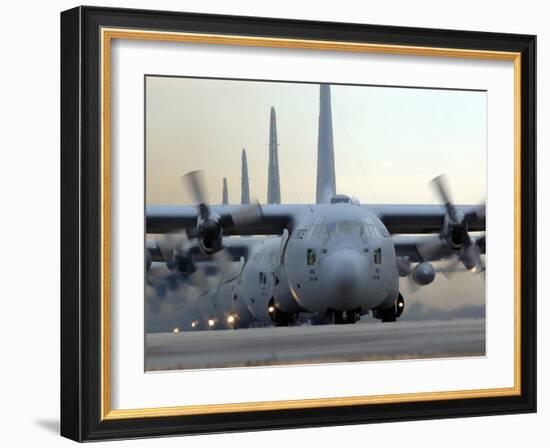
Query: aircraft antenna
{"x": 363, "y": 171}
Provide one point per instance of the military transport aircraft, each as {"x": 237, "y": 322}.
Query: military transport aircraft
{"x": 334, "y": 260}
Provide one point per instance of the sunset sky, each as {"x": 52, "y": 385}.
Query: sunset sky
{"x": 388, "y": 142}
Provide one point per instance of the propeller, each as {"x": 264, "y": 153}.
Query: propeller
{"x": 411, "y": 286}
{"x": 433, "y": 248}
{"x": 210, "y": 225}
{"x": 180, "y": 275}
{"x": 454, "y": 239}
{"x": 178, "y": 269}
{"x": 180, "y": 272}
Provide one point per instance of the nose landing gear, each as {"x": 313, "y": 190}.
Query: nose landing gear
{"x": 392, "y": 313}
{"x": 342, "y": 317}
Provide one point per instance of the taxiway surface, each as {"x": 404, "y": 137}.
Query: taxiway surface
{"x": 314, "y": 344}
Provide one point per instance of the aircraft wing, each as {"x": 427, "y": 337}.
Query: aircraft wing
{"x": 236, "y": 247}
{"x": 274, "y": 219}
{"x": 423, "y": 218}
{"x": 399, "y": 219}
{"x": 406, "y": 246}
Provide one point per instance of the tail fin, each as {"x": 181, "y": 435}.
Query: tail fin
{"x": 273, "y": 183}
{"x": 225, "y": 194}
{"x": 245, "y": 189}
{"x": 326, "y": 178}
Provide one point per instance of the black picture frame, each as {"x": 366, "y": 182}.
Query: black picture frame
{"x": 81, "y": 381}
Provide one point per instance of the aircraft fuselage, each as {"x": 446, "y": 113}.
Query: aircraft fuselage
{"x": 337, "y": 258}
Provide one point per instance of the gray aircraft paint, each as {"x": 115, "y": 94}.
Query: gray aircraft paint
{"x": 273, "y": 182}
{"x": 245, "y": 189}
{"x": 341, "y": 258}
{"x": 344, "y": 274}
{"x": 225, "y": 194}
{"x": 326, "y": 177}
{"x": 257, "y": 281}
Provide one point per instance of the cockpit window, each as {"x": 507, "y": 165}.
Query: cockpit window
{"x": 318, "y": 230}
{"x": 364, "y": 228}
{"x": 373, "y": 230}
{"x": 346, "y": 228}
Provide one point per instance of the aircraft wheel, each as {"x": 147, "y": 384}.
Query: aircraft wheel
{"x": 280, "y": 318}
{"x": 341, "y": 318}
{"x": 334, "y": 317}
{"x": 390, "y": 314}
{"x": 387, "y": 315}
{"x": 351, "y": 317}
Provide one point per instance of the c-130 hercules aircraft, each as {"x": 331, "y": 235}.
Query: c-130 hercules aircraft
{"x": 334, "y": 260}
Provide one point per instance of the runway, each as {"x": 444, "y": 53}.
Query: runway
{"x": 314, "y": 344}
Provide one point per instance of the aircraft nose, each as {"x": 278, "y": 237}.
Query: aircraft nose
{"x": 344, "y": 276}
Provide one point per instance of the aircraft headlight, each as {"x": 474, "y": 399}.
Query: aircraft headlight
{"x": 230, "y": 319}
{"x": 271, "y": 309}
{"x": 211, "y": 322}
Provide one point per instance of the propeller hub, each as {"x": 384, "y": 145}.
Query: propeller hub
{"x": 459, "y": 233}
{"x": 455, "y": 228}
{"x": 210, "y": 229}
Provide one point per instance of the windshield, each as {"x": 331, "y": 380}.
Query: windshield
{"x": 346, "y": 228}
{"x": 322, "y": 230}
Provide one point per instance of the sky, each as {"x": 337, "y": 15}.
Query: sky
{"x": 388, "y": 142}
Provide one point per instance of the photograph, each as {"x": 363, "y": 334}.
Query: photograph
{"x": 293, "y": 223}
{"x": 274, "y": 223}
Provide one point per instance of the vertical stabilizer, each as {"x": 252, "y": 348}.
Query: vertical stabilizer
{"x": 245, "y": 190}
{"x": 326, "y": 178}
{"x": 273, "y": 182}
{"x": 225, "y": 194}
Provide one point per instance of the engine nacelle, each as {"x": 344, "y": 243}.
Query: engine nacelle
{"x": 210, "y": 234}
{"x": 211, "y": 246}
{"x": 423, "y": 274}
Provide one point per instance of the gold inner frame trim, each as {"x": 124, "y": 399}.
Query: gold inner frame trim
{"x": 107, "y": 35}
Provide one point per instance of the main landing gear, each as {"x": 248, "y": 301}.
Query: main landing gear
{"x": 392, "y": 313}
{"x": 280, "y": 318}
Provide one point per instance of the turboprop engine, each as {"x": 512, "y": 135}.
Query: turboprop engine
{"x": 423, "y": 273}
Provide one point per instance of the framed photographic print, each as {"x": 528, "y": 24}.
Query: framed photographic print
{"x": 273, "y": 223}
